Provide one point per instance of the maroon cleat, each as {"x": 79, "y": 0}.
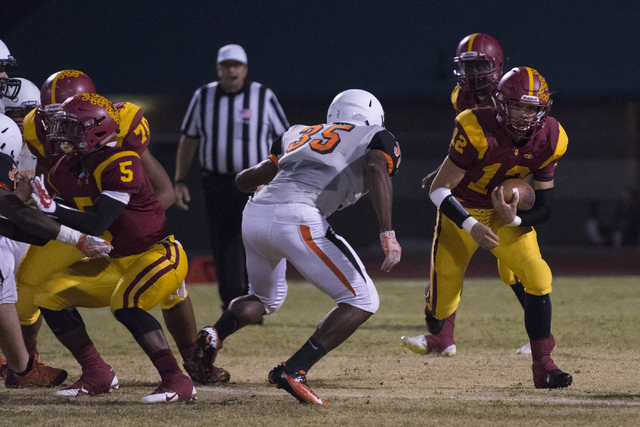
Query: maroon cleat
{"x": 177, "y": 389}
{"x": 92, "y": 384}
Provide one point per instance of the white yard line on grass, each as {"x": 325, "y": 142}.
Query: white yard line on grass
{"x": 327, "y": 395}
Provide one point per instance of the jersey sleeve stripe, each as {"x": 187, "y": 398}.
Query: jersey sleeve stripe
{"x": 305, "y": 232}
{"x": 97, "y": 174}
{"x": 561, "y": 147}
{"x": 389, "y": 161}
{"x": 475, "y": 134}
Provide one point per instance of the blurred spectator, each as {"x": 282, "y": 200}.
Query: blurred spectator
{"x": 615, "y": 224}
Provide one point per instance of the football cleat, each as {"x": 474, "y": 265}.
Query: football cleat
{"x": 295, "y": 384}
{"x": 92, "y": 385}
{"x": 215, "y": 375}
{"x": 418, "y": 344}
{"x": 178, "y": 389}
{"x": 525, "y": 349}
{"x": 40, "y": 375}
{"x": 3, "y": 367}
{"x": 207, "y": 347}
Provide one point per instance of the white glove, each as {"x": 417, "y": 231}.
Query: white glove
{"x": 94, "y": 247}
{"x": 41, "y": 196}
{"x": 392, "y": 250}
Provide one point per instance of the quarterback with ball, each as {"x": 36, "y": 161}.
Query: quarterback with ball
{"x": 515, "y": 139}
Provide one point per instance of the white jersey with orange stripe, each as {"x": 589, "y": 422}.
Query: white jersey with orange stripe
{"x": 322, "y": 165}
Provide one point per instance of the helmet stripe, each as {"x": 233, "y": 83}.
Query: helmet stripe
{"x": 473, "y": 37}
{"x": 530, "y": 81}
{"x": 53, "y": 88}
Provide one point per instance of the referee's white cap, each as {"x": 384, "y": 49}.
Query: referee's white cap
{"x": 232, "y": 52}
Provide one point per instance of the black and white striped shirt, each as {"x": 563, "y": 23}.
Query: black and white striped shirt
{"x": 235, "y": 130}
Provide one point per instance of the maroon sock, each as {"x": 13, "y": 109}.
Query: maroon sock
{"x": 165, "y": 363}
{"x": 438, "y": 343}
{"x": 32, "y": 348}
{"x": 187, "y": 352}
{"x": 541, "y": 349}
{"x": 89, "y": 358}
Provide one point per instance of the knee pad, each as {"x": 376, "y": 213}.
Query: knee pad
{"x": 137, "y": 321}
{"x": 62, "y": 321}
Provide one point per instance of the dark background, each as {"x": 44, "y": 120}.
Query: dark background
{"x": 156, "y": 53}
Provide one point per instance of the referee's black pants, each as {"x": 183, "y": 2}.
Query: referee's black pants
{"x": 224, "y": 204}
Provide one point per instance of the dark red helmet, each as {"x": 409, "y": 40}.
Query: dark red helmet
{"x": 62, "y": 85}
{"x": 479, "y": 62}
{"x": 523, "y": 86}
{"x": 84, "y": 123}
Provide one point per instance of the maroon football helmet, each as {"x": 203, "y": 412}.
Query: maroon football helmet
{"x": 84, "y": 123}
{"x": 523, "y": 86}
{"x": 62, "y": 85}
{"x": 479, "y": 62}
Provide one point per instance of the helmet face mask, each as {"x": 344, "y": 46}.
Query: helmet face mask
{"x": 523, "y": 102}
{"x": 27, "y": 100}
{"x": 85, "y": 123}
{"x": 356, "y": 107}
{"x": 9, "y": 88}
{"x": 479, "y": 61}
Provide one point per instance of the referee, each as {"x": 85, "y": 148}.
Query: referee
{"x": 232, "y": 124}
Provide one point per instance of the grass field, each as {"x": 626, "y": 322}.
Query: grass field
{"x": 371, "y": 380}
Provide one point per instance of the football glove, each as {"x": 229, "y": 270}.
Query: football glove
{"x": 392, "y": 250}
{"x": 41, "y": 196}
{"x": 93, "y": 247}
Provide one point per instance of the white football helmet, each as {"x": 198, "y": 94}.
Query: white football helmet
{"x": 28, "y": 98}
{"x": 356, "y": 107}
{"x": 9, "y": 88}
{"x": 10, "y": 137}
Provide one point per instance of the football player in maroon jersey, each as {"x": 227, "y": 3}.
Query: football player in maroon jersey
{"x": 490, "y": 145}
{"x": 40, "y": 262}
{"x": 107, "y": 190}
{"x": 479, "y": 63}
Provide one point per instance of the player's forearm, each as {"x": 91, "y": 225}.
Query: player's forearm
{"x": 30, "y": 220}
{"x": 377, "y": 181}
{"x": 160, "y": 181}
{"x": 95, "y": 223}
{"x": 186, "y": 151}
{"x": 261, "y": 174}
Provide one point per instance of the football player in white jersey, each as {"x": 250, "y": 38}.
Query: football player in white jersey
{"x": 25, "y": 226}
{"x": 27, "y": 99}
{"x": 313, "y": 171}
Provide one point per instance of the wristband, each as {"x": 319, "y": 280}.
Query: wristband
{"x": 438, "y": 195}
{"x": 68, "y": 235}
{"x": 516, "y": 222}
{"x": 468, "y": 223}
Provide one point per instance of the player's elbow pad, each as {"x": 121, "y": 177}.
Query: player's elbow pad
{"x": 540, "y": 212}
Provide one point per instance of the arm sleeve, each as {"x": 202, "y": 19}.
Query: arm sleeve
{"x": 106, "y": 210}
{"x": 540, "y": 212}
{"x": 13, "y": 232}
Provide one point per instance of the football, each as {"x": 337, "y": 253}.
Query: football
{"x": 525, "y": 191}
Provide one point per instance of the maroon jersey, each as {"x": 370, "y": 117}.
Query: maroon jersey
{"x": 465, "y": 100}
{"x": 482, "y": 148}
{"x": 141, "y": 224}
